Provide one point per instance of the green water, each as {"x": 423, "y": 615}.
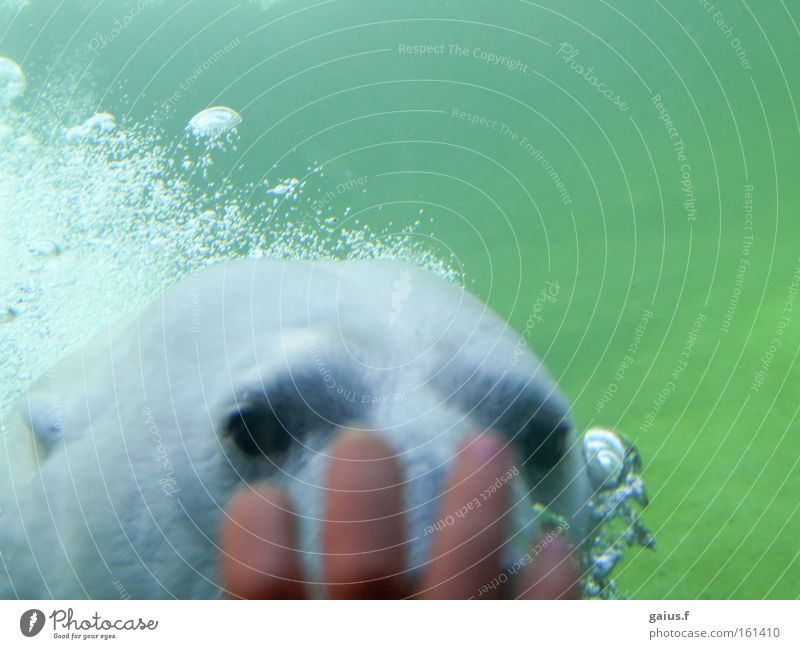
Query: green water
{"x": 552, "y": 182}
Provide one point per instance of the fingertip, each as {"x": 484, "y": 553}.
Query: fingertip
{"x": 357, "y": 445}
{"x": 469, "y": 536}
{"x": 259, "y": 559}
{"x": 477, "y": 450}
{"x": 363, "y": 535}
{"x": 554, "y": 572}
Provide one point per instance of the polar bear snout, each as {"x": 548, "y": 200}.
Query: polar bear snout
{"x": 258, "y": 392}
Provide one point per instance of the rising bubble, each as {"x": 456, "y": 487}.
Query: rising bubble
{"x": 7, "y": 314}
{"x": 44, "y": 248}
{"x": 12, "y": 79}
{"x": 97, "y": 124}
{"x": 214, "y": 122}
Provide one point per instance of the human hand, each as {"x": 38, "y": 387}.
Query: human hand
{"x": 363, "y": 540}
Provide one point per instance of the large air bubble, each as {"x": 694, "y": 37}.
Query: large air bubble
{"x": 96, "y": 125}
{"x": 12, "y": 80}
{"x": 214, "y": 123}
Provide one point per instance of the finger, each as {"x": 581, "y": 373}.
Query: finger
{"x": 363, "y": 536}
{"x": 258, "y": 540}
{"x": 553, "y": 574}
{"x": 465, "y": 552}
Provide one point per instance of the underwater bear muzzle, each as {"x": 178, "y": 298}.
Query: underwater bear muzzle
{"x": 119, "y": 462}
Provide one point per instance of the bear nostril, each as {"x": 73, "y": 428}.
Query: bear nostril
{"x": 549, "y": 452}
{"x": 266, "y": 419}
{"x": 257, "y": 430}
{"x": 545, "y": 451}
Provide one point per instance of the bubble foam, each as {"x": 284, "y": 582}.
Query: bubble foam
{"x": 95, "y": 227}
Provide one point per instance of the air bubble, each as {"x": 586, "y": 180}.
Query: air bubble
{"x": 8, "y": 314}
{"x": 95, "y": 125}
{"x": 604, "y": 454}
{"x": 214, "y": 122}
{"x": 26, "y": 141}
{"x": 12, "y": 79}
{"x": 44, "y": 249}
{"x": 288, "y": 189}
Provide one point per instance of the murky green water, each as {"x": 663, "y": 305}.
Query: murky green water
{"x": 643, "y": 156}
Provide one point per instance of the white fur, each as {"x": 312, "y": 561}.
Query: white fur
{"x": 91, "y": 504}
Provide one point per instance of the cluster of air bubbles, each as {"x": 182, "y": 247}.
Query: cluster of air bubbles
{"x": 614, "y": 468}
{"x": 99, "y": 220}
{"x": 288, "y": 189}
